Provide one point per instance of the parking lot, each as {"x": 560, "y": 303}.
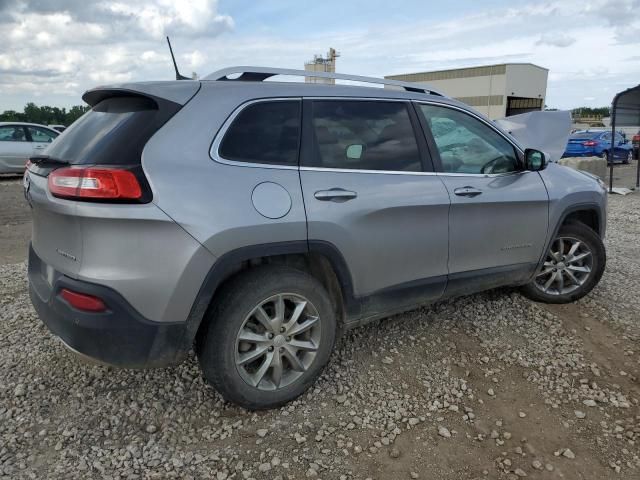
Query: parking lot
{"x": 487, "y": 386}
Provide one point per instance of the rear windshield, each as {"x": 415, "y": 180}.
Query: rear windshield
{"x": 582, "y": 136}
{"x": 113, "y": 132}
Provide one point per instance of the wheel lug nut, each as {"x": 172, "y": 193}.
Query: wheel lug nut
{"x": 555, "y": 269}
{"x": 281, "y": 349}
{"x": 281, "y": 329}
{"x": 271, "y": 349}
{"x": 288, "y": 339}
{"x": 270, "y": 336}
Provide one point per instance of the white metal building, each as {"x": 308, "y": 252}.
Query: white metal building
{"x": 495, "y": 90}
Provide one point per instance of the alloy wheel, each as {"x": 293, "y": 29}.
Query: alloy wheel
{"x": 567, "y": 267}
{"x": 278, "y": 341}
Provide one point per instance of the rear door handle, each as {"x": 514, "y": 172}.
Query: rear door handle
{"x": 467, "y": 192}
{"x": 335, "y": 195}
{"x": 40, "y": 147}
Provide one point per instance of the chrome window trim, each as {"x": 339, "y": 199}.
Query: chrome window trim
{"x": 215, "y": 146}
{"x": 394, "y": 172}
{"x": 355, "y": 170}
{"x": 214, "y": 151}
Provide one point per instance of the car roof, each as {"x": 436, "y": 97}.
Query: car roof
{"x": 248, "y": 90}
{"x": 27, "y": 124}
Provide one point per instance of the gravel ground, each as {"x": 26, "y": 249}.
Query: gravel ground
{"x": 487, "y": 386}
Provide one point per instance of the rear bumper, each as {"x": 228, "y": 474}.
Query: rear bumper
{"x": 119, "y": 336}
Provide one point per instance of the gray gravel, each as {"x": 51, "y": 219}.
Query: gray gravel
{"x": 488, "y": 386}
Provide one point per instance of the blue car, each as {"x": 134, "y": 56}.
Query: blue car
{"x": 597, "y": 143}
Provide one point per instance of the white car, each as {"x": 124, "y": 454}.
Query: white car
{"x": 20, "y": 141}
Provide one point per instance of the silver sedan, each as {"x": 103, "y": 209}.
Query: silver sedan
{"x": 19, "y": 141}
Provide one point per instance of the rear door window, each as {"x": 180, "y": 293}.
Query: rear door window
{"x": 264, "y": 132}
{"x": 364, "y": 135}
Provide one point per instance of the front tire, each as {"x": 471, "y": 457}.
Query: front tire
{"x": 270, "y": 334}
{"x": 573, "y": 265}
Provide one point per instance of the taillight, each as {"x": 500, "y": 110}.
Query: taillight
{"x": 94, "y": 183}
{"x": 590, "y": 143}
{"x": 82, "y": 301}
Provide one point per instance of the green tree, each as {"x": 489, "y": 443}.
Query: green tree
{"x": 590, "y": 112}
{"x": 45, "y": 114}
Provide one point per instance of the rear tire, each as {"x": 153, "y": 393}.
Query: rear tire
{"x": 629, "y": 158}
{"x": 605, "y": 156}
{"x": 262, "y": 347}
{"x": 573, "y": 265}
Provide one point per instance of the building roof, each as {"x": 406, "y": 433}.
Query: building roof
{"x": 464, "y": 72}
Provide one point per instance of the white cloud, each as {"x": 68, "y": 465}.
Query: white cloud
{"x": 556, "y": 40}
{"x": 61, "y": 48}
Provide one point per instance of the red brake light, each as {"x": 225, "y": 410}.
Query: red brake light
{"x": 82, "y": 301}
{"x": 94, "y": 183}
{"x": 590, "y": 143}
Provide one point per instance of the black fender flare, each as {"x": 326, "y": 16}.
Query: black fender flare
{"x": 568, "y": 211}
{"x": 226, "y": 264}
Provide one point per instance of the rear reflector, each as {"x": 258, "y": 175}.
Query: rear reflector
{"x": 82, "y": 301}
{"x": 94, "y": 183}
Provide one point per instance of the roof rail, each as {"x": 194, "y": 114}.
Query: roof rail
{"x": 259, "y": 74}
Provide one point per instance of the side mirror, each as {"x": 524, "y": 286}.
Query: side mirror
{"x": 534, "y": 160}
{"x": 354, "y": 152}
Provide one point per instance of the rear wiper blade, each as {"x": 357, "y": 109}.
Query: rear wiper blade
{"x": 47, "y": 160}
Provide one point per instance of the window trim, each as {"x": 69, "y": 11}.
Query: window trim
{"x": 308, "y": 137}
{"x": 435, "y": 153}
{"x": 214, "y": 150}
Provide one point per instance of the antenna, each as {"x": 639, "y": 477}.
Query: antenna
{"x": 175, "y": 65}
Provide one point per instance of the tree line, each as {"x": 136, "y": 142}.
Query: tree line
{"x": 45, "y": 115}
{"x": 591, "y": 112}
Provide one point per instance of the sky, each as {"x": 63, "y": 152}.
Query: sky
{"x": 54, "y": 50}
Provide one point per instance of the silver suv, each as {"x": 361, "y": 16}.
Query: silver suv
{"x": 256, "y": 220}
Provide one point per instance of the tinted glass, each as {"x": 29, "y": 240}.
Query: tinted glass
{"x": 467, "y": 145}
{"x": 114, "y": 131}
{"x": 265, "y": 132}
{"x": 364, "y": 135}
{"x": 41, "y": 135}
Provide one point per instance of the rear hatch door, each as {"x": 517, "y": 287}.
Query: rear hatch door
{"x": 112, "y": 133}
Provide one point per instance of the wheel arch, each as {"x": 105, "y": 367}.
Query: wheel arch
{"x": 320, "y": 259}
{"x": 587, "y": 213}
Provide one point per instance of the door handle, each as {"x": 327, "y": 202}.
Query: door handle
{"x": 40, "y": 147}
{"x": 335, "y": 195}
{"x": 467, "y": 192}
